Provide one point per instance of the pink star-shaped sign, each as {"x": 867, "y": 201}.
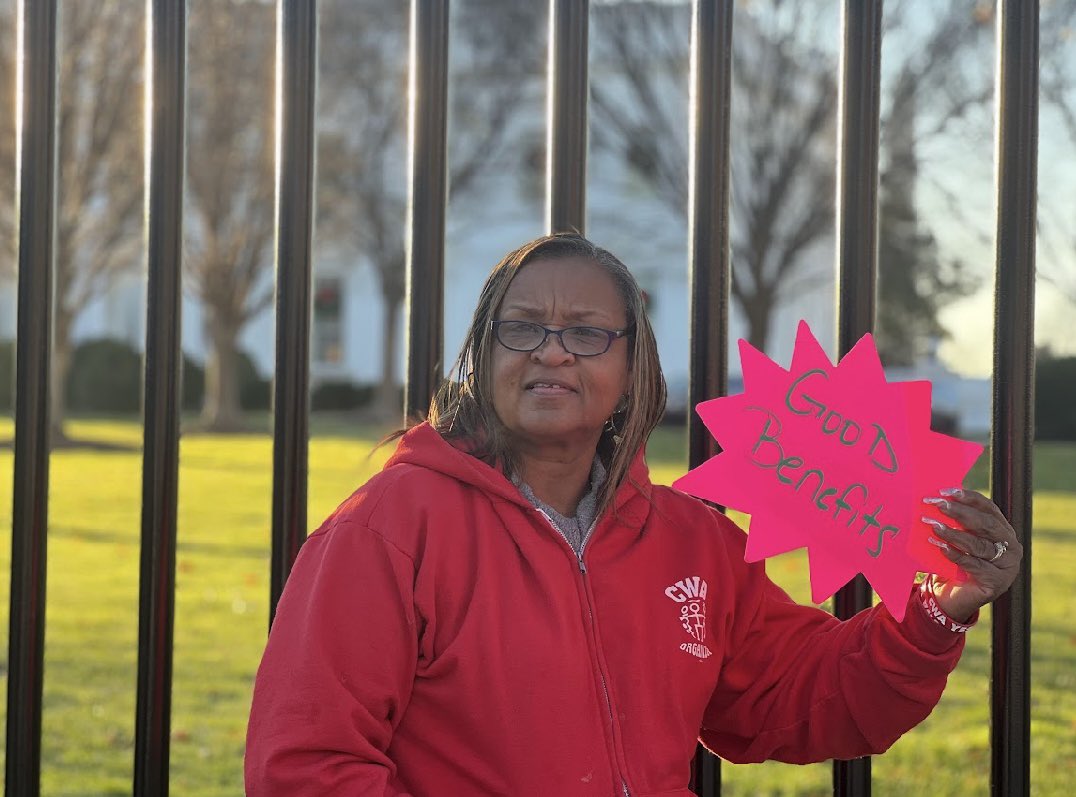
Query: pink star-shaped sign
{"x": 837, "y": 460}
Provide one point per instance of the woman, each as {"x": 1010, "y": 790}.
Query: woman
{"x": 511, "y": 607}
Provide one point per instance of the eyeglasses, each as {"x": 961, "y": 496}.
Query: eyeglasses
{"x": 580, "y": 341}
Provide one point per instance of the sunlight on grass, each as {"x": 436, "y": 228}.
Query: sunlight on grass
{"x": 222, "y": 615}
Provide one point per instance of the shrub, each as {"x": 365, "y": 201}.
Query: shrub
{"x": 7, "y": 376}
{"x": 340, "y": 395}
{"x": 1055, "y": 398}
{"x": 192, "y": 385}
{"x": 255, "y": 393}
{"x": 105, "y": 376}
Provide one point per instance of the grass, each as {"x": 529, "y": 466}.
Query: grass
{"x": 222, "y": 609}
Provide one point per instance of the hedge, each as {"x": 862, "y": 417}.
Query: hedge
{"x": 106, "y": 377}
{"x": 1055, "y": 398}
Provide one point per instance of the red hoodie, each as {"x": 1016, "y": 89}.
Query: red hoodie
{"x": 438, "y": 636}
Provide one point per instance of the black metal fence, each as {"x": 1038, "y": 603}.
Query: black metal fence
{"x": 709, "y": 250}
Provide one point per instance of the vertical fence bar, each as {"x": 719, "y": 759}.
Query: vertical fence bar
{"x": 566, "y": 165}
{"x": 857, "y": 250}
{"x": 1014, "y": 367}
{"x": 36, "y": 208}
{"x": 166, "y": 22}
{"x": 428, "y": 125}
{"x": 296, "y": 77}
{"x": 709, "y": 254}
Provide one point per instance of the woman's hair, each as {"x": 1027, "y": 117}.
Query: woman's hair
{"x": 463, "y": 407}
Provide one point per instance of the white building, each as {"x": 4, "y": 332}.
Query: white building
{"x": 621, "y": 217}
{"x": 500, "y": 212}
{"x": 638, "y": 229}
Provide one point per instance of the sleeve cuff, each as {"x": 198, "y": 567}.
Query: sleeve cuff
{"x": 934, "y": 611}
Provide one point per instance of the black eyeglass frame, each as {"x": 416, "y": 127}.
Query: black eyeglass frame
{"x": 612, "y": 334}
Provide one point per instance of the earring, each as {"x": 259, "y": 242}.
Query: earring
{"x": 618, "y": 413}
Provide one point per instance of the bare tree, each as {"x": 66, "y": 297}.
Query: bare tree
{"x": 915, "y": 281}
{"x": 228, "y": 254}
{"x": 784, "y": 111}
{"x": 942, "y": 78}
{"x": 784, "y": 96}
{"x": 1058, "y": 93}
{"x": 99, "y": 142}
{"x": 362, "y": 150}
{"x": 782, "y": 164}
{"x": 8, "y": 47}
{"x": 362, "y": 147}
{"x": 361, "y": 157}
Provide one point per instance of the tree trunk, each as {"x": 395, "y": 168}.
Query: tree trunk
{"x": 221, "y": 410}
{"x": 758, "y": 309}
{"x": 63, "y": 318}
{"x": 387, "y": 405}
{"x": 60, "y": 364}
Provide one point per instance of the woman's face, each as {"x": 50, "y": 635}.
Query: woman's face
{"x": 549, "y": 397}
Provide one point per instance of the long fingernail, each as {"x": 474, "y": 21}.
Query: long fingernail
{"x": 933, "y": 522}
{"x": 939, "y": 543}
{"x": 954, "y": 492}
{"x": 939, "y": 502}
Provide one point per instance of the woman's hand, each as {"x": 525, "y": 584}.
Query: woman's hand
{"x": 987, "y": 549}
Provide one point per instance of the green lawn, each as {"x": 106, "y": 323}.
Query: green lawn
{"x": 222, "y": 607}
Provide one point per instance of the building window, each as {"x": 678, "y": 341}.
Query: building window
{"x": 328, "y": 321}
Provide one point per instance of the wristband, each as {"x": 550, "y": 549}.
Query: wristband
{"x": 934, "y": 610}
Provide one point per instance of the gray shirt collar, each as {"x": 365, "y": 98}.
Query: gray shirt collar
{"x": 573, "y": 528}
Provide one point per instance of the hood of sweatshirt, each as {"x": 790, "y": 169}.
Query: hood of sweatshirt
{"x": 424, "y": 447}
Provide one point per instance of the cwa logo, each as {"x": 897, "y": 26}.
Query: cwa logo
{"x": 690, "y": 594}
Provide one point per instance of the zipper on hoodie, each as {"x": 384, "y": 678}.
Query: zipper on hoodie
{"x": 590, "y": 612}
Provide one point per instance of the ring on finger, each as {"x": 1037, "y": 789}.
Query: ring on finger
{"x": 999, "y": 550}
